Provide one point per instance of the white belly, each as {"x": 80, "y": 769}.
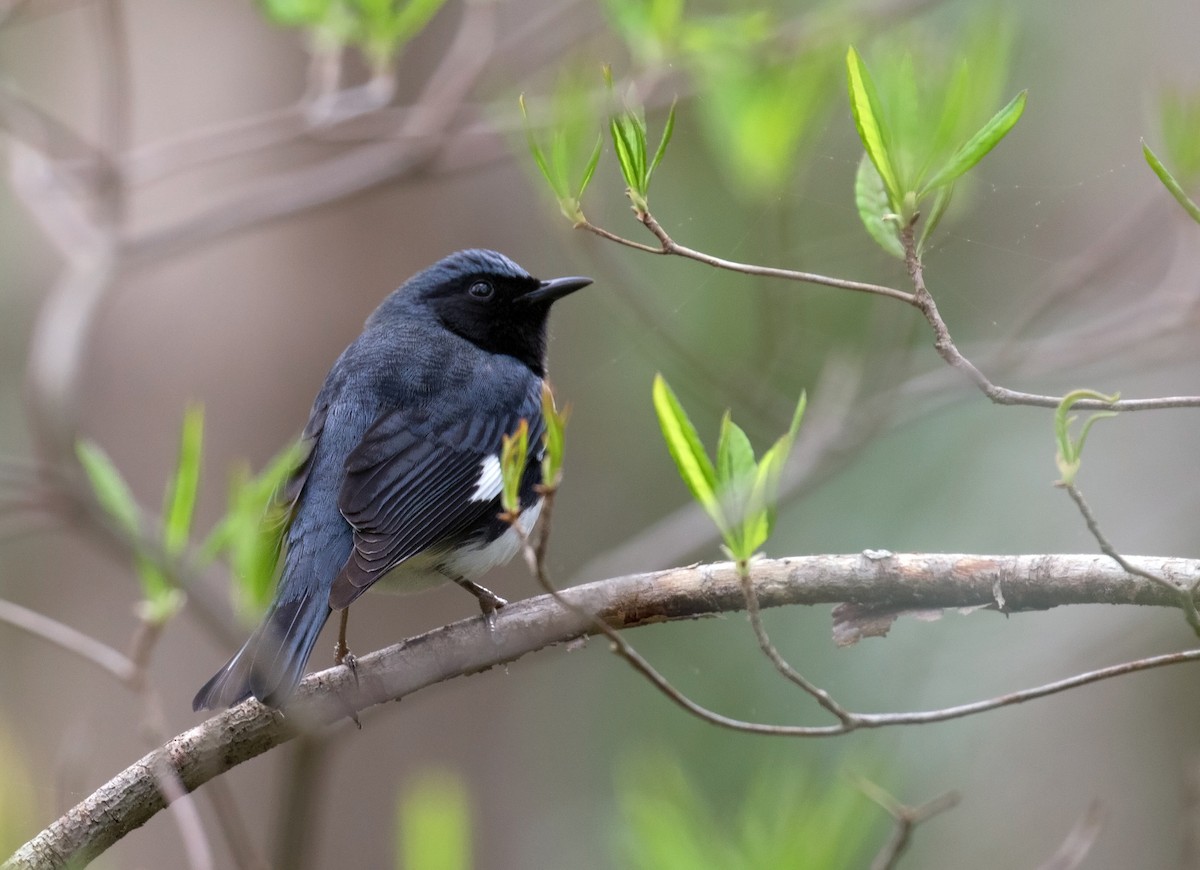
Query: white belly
{"x": 433, "y": 568}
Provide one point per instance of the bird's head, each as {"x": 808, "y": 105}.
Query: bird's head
{"x": 486, "y": 298}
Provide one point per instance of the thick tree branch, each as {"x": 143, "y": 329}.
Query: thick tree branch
{"x": 881, "y": 580}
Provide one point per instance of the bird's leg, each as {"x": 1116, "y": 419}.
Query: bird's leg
{"x": 489, "y": 601}
{"x": 341, "y": 652}
{"x": 343, "y": 656}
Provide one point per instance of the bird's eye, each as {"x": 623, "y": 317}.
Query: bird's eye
{"x": 481, "y": 290}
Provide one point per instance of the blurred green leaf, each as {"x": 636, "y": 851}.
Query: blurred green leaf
{"x": 759, "y": 107}
{"x": 781, "y": 820}
{"x": 874, "y": 210}
{"x": 160, "y": 599}
{"x": 293, "y": 13}
{"x": 978, "y": 146}
{"x": 1069, "y": 455}
{"x": 1180, "y": 113}
{"x": 649, "y": 28}
{"x": 514, "y": 454}
{"x": 383, "y": 27}
{"x": 1170, "y": 183}
{"x": 110, "y": 488}
{"x": 180, "y": 501}
{"x": 433, "y": 824}
{"x": 251, "y": 532}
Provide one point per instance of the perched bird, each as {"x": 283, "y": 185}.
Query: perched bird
{"x": 401, "y": 484}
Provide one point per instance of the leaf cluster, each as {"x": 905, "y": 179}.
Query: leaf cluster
{"x": 778, "y": 822}
{"x": 738, "y": 492}
{"x": 249, "y": 534}
{"x": 380, "y": 28}
{"x": 915, "y": 125}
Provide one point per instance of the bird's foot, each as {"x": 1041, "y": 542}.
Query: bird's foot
{"x": 489, "y": 601}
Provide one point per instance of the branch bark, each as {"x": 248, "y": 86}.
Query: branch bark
{"x": 880, "y": 581}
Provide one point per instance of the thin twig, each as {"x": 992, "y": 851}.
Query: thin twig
{"x": 771, "y": 652}
{"x": 921, "y": 300}
{"x": 1186, "y": 596}
{"x": 73, "y": 641}
{"x": 669, "y": 247}
{"x": 906, "y": 819}
{"x": 1079, "y": 840}
{"x": 924, "y": 302}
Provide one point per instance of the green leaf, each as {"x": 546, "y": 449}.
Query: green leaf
{"x": 872, "y": 128}
{"x": 514, "y": 454}
{"x": 433, "y": 824}
{"x": 180, "y": 501}
{"x": 110, "y": 488}
{"x": 1069, "y": 455}
{"x": 874, "y": 210}
{"x": 978, "y": 146}
{"x": 668, "y": 131}
{"x": 764, "y": 493}
{"x": 693, "y": 463}
{"x": 554, "y": 439}
{"x": 1170, "y": 183}
{"x": 735, "y": 455}
{"x": 252, "y": 531}
{"x": 941, "y": 201}
{"x": 538, "y": 157}
{"x": 590, "y": 169}
{"x": 292, "y": 13}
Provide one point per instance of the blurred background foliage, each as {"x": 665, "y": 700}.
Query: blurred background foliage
{"x": 1062, "y": 262}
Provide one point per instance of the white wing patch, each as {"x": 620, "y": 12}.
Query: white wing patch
{"x": 490, "y": 482}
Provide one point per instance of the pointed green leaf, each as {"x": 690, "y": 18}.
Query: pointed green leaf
{"x": 536, "y": 150}
{"x": 668, "y": 131}
{"x": 941, "y": 201}
{"x": 110, "y": 488}
{"x": 1170, "y": 183}
{"x": 693, "y": 463}
{"x": 554, "y": 439}
{"x": 977, "y": 147}
{"x": 874, "y": 210}
{"x": 590, "y": 169}
{"x": 872, "y": 128}
{"x": 735, "y": 455}
{"x": 625, "y": 154}
{"x": 514, "y": 454}
{"x": 180, "y": 503}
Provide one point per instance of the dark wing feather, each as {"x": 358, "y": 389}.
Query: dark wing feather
{"x": 409, "y": 483}
{"x": 289, "y": 494}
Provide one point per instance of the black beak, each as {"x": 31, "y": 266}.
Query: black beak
{"x": 555, "y": 289}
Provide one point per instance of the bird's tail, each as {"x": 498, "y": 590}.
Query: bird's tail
{"x": 271, "y": 663}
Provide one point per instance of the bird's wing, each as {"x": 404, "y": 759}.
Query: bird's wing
{"x": 289, "y": 493}
{"x": 415, "y": 483}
